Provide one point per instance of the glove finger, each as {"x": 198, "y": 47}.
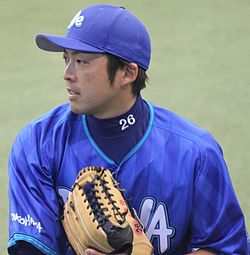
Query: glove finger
{"x": 86, "y": 219}
{"x": 71, "y": 226}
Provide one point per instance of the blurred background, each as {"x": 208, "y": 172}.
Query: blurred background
{"x": 200, "y": 69}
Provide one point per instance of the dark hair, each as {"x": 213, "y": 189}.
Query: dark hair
{"x": 116, "y": 63}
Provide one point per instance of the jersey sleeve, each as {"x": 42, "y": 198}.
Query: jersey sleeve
{"x": 33, "y": 202}
{"x": 217, "y": 219}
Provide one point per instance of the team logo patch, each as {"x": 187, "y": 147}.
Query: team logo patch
{"x": 77, "y": 20}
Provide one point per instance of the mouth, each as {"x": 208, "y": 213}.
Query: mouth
{"x": 72, "y": 94}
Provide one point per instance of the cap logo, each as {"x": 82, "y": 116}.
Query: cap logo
{"x": 77, "y": 20}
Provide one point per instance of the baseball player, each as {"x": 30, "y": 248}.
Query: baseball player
{"x": 172, "y": 171}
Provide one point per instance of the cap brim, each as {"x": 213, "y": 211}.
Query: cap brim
{"x": 60, "y": 43}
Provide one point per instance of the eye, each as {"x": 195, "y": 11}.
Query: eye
{"x": 82, "y": 61}
{"x": 66, "y": 59}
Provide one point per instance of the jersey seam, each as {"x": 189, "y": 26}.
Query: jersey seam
{"x": 169, "y": 129}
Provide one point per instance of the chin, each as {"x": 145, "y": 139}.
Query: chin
{"x": 77, "y": 110}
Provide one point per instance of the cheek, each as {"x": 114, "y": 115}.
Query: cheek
{"x": 97, "y": 83}
{"x": 94, "y": 76}
{"x": 93, "y": 90}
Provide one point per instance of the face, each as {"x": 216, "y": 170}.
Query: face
{"x": 89, "y": 89}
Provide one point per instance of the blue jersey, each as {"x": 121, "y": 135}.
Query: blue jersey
{"x": 175, "y": 177}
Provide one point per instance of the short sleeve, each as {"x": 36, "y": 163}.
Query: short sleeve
{"x": 33, "y": 202}
{"x": 217, "y": 219}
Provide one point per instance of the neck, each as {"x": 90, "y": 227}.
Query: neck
{"x": 119, "y": 106}
{"x": 115, "y": 125}
{"x": 117, "y": 136}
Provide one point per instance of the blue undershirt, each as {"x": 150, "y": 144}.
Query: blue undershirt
{"x": 117, "y": 136}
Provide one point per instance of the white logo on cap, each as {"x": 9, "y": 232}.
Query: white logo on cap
{"x": 77, "y": 20}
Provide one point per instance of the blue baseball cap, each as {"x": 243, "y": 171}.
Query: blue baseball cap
{"x": 103, "y": 29}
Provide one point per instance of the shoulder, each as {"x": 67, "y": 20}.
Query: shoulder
{"x": 57, "y": 116}
{"x": 51, "y": 122}
{"x": 46, "y": 136}
{"x": 189, "y": 144}
{"x": 184, "y": 130}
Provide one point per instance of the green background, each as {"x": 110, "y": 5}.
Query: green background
{"x": 200, "y": 69}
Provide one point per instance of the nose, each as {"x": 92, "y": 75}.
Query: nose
{"x": 69, "y": 72}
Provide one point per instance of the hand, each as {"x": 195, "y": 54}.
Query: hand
{"x": 94, "y": 252}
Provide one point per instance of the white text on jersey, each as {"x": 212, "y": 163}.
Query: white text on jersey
{"x": 26, "y": 221}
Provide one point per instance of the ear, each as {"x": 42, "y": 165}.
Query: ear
{"x": 130, "y": 73}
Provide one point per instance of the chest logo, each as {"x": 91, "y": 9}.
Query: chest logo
{"x": 155, "y": 218}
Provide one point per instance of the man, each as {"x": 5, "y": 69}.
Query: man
{"x": 173, "y": 172}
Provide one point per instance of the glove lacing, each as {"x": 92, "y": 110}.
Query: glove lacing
{"x": 98, "y": 209}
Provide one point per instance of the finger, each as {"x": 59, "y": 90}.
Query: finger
{"x": 93, "y": 252}
{"x": 90, "y": 251}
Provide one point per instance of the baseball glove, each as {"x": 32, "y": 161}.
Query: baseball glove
{"x": 97, "y": 216}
